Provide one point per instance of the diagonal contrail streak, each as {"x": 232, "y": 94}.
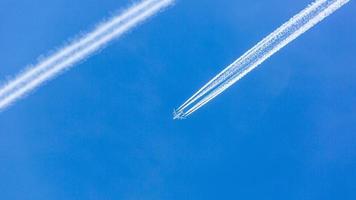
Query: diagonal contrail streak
{"x": 274, "y": 42}
{"x": 79, "y": 50}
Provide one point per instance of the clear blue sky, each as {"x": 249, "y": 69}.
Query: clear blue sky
{"x": 104, "y": 129}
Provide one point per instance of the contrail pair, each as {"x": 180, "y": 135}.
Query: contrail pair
{"x": 78, "y": 50}
{"x": 285, "y": 34}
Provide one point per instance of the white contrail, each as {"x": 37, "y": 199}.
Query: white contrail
{"x": 79, "y": 50}
{"x": 285, "y": 34}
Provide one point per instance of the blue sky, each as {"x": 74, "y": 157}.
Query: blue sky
{"x": 104, "y": 129}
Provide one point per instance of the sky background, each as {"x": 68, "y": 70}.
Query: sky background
{"x": 104, "y": 129}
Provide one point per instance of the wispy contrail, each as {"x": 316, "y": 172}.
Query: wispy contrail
{"x": 78, "y": 50}
{"x": 285, "y": 34}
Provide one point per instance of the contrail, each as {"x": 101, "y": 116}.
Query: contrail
{"x": 79, "y": 50}
{"x": 285, "y": 34}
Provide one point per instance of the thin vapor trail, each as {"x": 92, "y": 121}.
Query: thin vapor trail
{"x": 274, "y": 42}
{"x": 79, "y": 50}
